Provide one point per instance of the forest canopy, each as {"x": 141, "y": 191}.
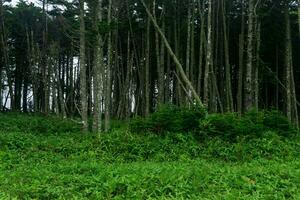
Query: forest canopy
{"x": 114, "y": 59}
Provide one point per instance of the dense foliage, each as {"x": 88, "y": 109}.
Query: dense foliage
{"x": 251, "y": 125}
{"x": 58, "y": 164}
{"x": 111, "y": 59}
{"x": 169, "y": 118}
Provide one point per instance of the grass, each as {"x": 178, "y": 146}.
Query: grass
{"x": 65, "y": 164}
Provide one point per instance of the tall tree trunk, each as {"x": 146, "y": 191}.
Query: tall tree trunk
{"x": 108, "y": 71}
{"x": 201, "y": 47}
{"x": 147, "y": 70}
{"x": 288, "y": 66}
{"x": 161, "y": 71}
{"x": 299, "y": 15}
{"x": 5, "y": 57}
{"x": 177, "y": 86}
{"x": 209, "y": 56}
{"x": 241, "y": 63}
{"x": 192, "y": 62}
{"x": 229, "y": 100}
{"x": 249, "y": 66}
{"x": 158, "y": 61}
{"x": 72, "y": 96}
{"x": 291, "y": 100}
{"x": 98, "y": 69}
{"x": 45, "y": 67}
{"x": 188, "y": 41}
{"x": 257, "y": 64}
{"x": 2, "y": 53}
{"x": 83, "y": 87}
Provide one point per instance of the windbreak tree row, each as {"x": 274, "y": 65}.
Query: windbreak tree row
{"x": 114, "y": 59}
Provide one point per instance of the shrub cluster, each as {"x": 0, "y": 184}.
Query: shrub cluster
{"x": 253, "y": 124}
{"x": 228, "y": 126}
{"x": 169, "y": 118}
{"x": 38, "y": 124}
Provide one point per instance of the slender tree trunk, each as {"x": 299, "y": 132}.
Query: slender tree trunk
{"x": 229, "y": 100}
{"x": 161, "y": 71}
{"x": 4, "y": 60}
{"x": 158, "y": 61}
{"x": 1, "y": 52}
{"x": 176, "y": 44}
{"x": 192, "y": 62}
{"x": 209, "y": 56}
{"x": 291, "y": 100}
{"x": 249, "y": 68}
{"x": 98, "y": 69}
{"x": 188, "y": 42}
{"x": 61, "y": 97}
{"x": 201, "y": 47}
{"x": 288, "y": 65}
{"x": 72, "y": 96}
{"x": 109, "y": 68}
{"x": 83, "y": 87}
{"x": 257, "y": 64}
{"x": 299, "y": 15}
{"x": 147, "y": 70}
{"x": 241, "y": 63}
{"x": 45, "y": 67}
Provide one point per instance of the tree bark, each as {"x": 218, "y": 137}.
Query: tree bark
{"x": 291, "y": 100}
{"x": 241, "y": 63}
{"x": 83, "y": 87}
{"x": 109, "y": 68}
{"x": 249, "y": 66}
{"x": 229, "y": 100}
{"x": 147, "y": 69}
{"x": 98, "y": 68}
{"x": 201, "y": 47}
{"x": 209, "y": 56}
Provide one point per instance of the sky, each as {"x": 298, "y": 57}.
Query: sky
{"x": 14, "y": 2}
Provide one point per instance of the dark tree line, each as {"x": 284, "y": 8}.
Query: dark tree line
{"x": 105, "y": 59}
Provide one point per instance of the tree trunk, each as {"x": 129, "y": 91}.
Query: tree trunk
{"x": 291, "y": 101}
{"x": 249, "y": 66}
{"x": 158, "y": 61}
{"x": 188, "y": 41}
{"x": 201, "y": 47}
{"x": 257, "y": 64}
{"x": 147, "y": 70}
{"x": 1, "y": 54}
{"x": 299, "y": 15}
{"x": 83, "y": 87}
{"x": 229, "y": 100}
{"x": 241, "y": 63}
{"x": 98, "y": 69}
{"x": 109, "y": 68}
{"x": 209, "y": 56}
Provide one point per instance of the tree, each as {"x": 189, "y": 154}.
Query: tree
{"x": 98, "y": 66}
{"x": 249, "y": 66}
{"x": 83, "y": 87}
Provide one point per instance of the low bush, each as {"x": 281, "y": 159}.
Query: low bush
{"x": 169, "y": 118}
{"x": 36, "y": 123}
{"x": 253, "y": 124}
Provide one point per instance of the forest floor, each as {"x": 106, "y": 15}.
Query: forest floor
{"x": 41, "y": 159}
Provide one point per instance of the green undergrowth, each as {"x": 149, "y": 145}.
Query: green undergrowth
{"x": 37, "y": 124}
{"x": 64, "y": 164}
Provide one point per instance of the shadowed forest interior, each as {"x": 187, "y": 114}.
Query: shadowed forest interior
{"x": 117, "y": 59}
